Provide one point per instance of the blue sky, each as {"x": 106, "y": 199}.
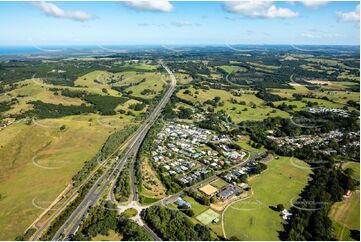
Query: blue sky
{"x": 174, "y": 23}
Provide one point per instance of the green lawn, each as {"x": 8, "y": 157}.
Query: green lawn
{"x": 196, "y": 207}
{"x": 252, "y": 219}
{"x": 219, "y": 183}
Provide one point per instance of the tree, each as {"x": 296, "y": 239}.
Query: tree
{"x": 185, "y": 113}
{"x": 280, "y": 207}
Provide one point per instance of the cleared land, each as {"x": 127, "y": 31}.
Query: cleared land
{"x": 252, "y": 219}
{"x": 152, "y": 86}
{"x": 346, "y": 214}
{"x": 37, "y": 162}
{"x": 152, "y": 187}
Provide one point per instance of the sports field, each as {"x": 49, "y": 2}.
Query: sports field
{"x": 253, "y": 219}
{"x": 219, "y": 183}
{"x": 208, "y": 189}
{"x": 207, "y": 217}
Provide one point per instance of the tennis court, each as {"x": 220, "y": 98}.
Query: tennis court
{"x": 207, "y": 217}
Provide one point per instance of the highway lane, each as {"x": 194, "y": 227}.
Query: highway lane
{"x": 72, "y": 223}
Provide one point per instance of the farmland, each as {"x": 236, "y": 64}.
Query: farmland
{"x": 36, "y": 155}
{"x": 251, "y": 107}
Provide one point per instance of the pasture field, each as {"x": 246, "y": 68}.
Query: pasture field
{"x": 346, "y": 75}
{"x": 95, "y": 81}
{"x": 341, "y": 232}
{"x": 125, "y": 107}
{"x": 142, "y": 66}
{"x": 345, "y": 215}
{"x": 335, "y": 85}
{"x": 287, "y": 93}
{"x": 183, "y": 78}
{"x": 243, "y": 142}
{"x": 37, "y": 162}
{"x": 300, "y": 105}
{"x": 252, "y": 218}
{"x": 133, "y": 78}
{"x": 202, "y": 95}
{"x": 32, "y": 90}
{"x": 347, "y": 212}
{"x": 337, "y": 97}
{"x": 238, "y": 112}
{"x": 231, "y": 69}
{"x": 340, "y": 96}
{"x": 154, "y": 83}
{"x": 329, "y": 62}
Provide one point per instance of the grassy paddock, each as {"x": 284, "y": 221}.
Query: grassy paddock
{"x": 252, "y": 219}
{"x": 37, "y": 163}
{"x": 347, "y": 212}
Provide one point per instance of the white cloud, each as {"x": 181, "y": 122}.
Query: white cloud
{"x": 184, "y": 23}
{"x": 153, "y": 5}
{"x": 314, "y": 3}
{"x": 320, "y": 35}
{"x": 52, "y": 10}
{"x": 308, "y": 35}
{"x": 259, "y": 9}
{"x": 353, "y": 16}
